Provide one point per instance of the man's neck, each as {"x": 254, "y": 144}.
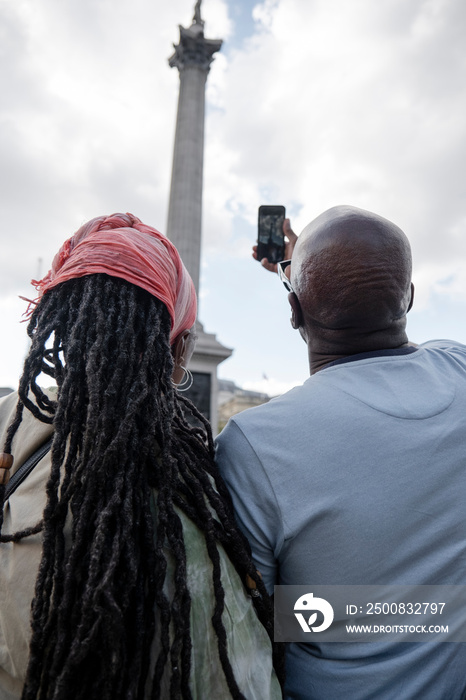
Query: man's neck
{"x": 318, "y": 361}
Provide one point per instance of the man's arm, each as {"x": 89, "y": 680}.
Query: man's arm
{"x": 256, "y": 507}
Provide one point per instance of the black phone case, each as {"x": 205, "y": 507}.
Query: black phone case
{"x": 272, "y": 220}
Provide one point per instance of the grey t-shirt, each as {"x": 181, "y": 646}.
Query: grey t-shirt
{"x": 359, "y": 477}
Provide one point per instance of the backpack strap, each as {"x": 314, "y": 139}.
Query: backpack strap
{"x": 27, "y": 467}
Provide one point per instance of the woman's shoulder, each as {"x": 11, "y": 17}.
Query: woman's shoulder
{"x": 7, "y": 410}
{"x": 31, "y": 434}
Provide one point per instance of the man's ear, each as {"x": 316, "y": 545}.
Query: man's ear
{"x": 296, "y": 313}
{"x": 412, "y": 297}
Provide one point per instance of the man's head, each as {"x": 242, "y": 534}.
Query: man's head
{"x": 351, "y": 274}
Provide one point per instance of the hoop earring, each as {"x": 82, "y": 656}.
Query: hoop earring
{"x": 187, "y": 381}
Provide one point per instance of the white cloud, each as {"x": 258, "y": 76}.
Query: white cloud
{"x": 272, "y": 386}
{"x": 333, "y": 102}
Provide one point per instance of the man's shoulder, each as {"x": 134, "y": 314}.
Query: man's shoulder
{"x": 276, "y": 406}
{"x": 444, "y": 344}
{"x": 451, "y": 351}
{"x": 271, "y": 423}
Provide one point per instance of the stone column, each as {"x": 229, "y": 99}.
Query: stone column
{"x": 193, "y": 56}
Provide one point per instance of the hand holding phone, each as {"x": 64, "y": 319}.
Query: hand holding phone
{"x": 290, "y": 239}
{"x": 270, "y": 237}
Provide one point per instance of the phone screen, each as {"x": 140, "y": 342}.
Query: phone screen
{"x": 270, "y": 239}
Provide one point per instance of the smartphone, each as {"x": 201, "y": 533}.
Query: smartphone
{"x": 270, "y": 238}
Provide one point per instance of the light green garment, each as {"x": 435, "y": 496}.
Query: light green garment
{"x": 249, "y": 648}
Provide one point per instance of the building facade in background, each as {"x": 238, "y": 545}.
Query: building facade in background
{"x": 232, "y": 400}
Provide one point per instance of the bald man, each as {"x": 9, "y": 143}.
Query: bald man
{"x": 359, "y": 475}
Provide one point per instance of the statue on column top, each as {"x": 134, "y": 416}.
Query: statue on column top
{"x": 197, "y": 13}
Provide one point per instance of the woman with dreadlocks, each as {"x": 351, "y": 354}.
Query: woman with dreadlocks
{"x": 122, "y": 535}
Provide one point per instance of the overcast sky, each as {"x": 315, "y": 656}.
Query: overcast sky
{"x": 310, "y": 103}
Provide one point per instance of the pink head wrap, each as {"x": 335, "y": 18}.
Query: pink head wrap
{"x": 122, "y": 246}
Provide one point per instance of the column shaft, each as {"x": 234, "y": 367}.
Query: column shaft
{"x": 185, "y": 206}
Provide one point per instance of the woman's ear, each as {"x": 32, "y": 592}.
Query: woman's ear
{"x": 179, "y": 346}
{"x": 182, "y": 349}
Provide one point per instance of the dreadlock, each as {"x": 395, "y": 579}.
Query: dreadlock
{"x": 124, "y": 459}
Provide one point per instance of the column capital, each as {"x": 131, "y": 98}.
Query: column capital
{"x": 193, "y": 49}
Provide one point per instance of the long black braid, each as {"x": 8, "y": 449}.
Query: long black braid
{"x": 124, "y": 458}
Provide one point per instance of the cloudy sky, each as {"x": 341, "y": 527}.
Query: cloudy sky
{"x": 310, "y": 103}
